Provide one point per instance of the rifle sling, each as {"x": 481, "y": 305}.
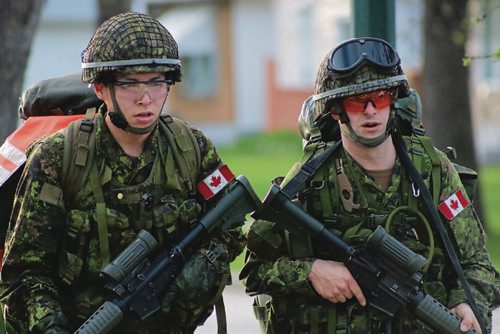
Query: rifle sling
{"x": 307, "y": 170}
{"x": 427, "y": 197}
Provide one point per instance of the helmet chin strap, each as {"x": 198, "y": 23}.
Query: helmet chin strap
{"x": 118, "y": 119}
{"x": 362, "y": 141}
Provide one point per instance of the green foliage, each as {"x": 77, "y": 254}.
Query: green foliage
{"x": 263, "y": 157}
{"x": 475, "y": 20}
{"x": 496, "y": 55}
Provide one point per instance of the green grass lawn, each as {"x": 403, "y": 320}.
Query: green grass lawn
{"x": 263, "y": 157}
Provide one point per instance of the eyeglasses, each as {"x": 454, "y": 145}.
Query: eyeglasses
{"x": 358, "y": 103}
{"x": 352, "y": 53}
{"x": 135, "y": 89}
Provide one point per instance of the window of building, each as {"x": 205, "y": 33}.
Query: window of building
{"x": 194, "y": 29}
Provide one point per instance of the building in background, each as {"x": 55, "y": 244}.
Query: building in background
{"x": 249, "y": 64}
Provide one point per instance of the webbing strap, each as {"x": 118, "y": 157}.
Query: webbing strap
{"x": 418, "y": 160}
{"x": 314, "y": 320}
{"x": 436, "y": 166}
{"x": 452, "y": 255}
{"x": 102, "y": 223}
{"x": 220, "y": 313}
{"x": 180, "y": 138}
{"x": 325, "y": 196}
{"x": 331, "y": 323}
{"x": 79, "y": 150}
{"x": 307, "y": 170}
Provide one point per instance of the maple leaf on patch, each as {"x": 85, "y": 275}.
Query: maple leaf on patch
{"x": 215, "y": 181}
{"x": 454, "y": 204}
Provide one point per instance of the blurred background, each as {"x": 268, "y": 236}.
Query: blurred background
{"x": 249, "y": 64}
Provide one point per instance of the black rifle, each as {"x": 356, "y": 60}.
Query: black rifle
{"x": 388, "y": 272}
{"x": 141, "y": 282}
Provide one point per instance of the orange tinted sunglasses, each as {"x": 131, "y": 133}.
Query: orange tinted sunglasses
{"x": 380, "y": 100}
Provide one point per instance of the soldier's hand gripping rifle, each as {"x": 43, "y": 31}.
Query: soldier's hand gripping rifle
{"x": 140, "y": 282}
{"x": 388, "y": 272}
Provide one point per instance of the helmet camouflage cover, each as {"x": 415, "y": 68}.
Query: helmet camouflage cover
{"x": 131, "y": 43}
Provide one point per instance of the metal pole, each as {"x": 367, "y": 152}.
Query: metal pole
{"x": 375, "y": 18}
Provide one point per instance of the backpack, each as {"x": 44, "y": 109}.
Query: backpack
{"x": 67, "y": 104}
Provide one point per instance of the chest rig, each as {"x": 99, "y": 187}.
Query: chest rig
{"x": 335, "y": 189}
{"x": 158, "y": 197}
{"x": 352, "y": 205}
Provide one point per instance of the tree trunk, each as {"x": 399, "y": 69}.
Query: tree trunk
{"x": 447, "y": 110}
{"x": 18, "y": 23}
{"x": 109, "y": 8}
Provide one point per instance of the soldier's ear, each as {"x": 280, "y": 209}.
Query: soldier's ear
{"x": 99, "y": 90}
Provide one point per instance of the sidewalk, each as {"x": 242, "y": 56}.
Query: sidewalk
{"x": 240, "y": 318}
{"x": 239, "y": 312}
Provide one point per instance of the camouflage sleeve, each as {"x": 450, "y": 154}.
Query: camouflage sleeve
{"x": 35, "y": 231}
{"x": 268, "y": 269}
{"x": 233, "y": 239}
{"x": 470, "y": 239}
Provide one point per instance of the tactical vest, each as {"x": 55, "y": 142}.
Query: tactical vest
{"x": 159, "y": 203}
{"x": 162, "y": 203}
{"x": 339, "y": 202}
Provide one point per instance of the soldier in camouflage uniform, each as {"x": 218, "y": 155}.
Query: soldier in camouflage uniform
{"x": 301, "y": 286}
{"x": 56, "y": 246}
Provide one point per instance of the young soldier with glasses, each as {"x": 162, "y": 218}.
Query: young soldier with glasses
{"x": 143, "y": 170}
{"x": 300, "y": 283}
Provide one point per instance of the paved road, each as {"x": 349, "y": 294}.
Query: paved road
{"x": 240, "y": 319}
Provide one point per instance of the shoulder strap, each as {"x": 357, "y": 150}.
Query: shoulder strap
{"x": 452, "y": 255}
{"x": 184, "y": 147}
{"x": 78, "y": 163}
{"x": 308, "y": 169}
{"x": 436, "y": 166}
{"x": 79, "y": 150}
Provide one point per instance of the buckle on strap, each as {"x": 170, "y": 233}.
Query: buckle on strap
{"x": 210, "y": 256}
{"x": 86, "y": 125}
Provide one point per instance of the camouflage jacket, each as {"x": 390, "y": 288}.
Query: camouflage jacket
{"x": 278, "y": 263}
{"x": 52, "y": 258}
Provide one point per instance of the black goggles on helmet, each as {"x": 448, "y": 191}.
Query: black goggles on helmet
{"x": 349, "y": 55}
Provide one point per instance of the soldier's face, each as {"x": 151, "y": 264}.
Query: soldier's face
{"x": 140, "y": 96}
{"x": 368, "y": 114}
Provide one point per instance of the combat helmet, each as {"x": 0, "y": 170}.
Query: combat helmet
{"x": 356, "y": 66}
{"x": 130, "y": 43}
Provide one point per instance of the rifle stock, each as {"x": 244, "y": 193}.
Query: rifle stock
{"x": 140, "y": 282}
{"x": 388, "y": 272}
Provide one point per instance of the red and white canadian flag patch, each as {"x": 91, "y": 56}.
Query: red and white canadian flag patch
{"x": 215, "y": 182}
{"x": 453, "y": 205}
